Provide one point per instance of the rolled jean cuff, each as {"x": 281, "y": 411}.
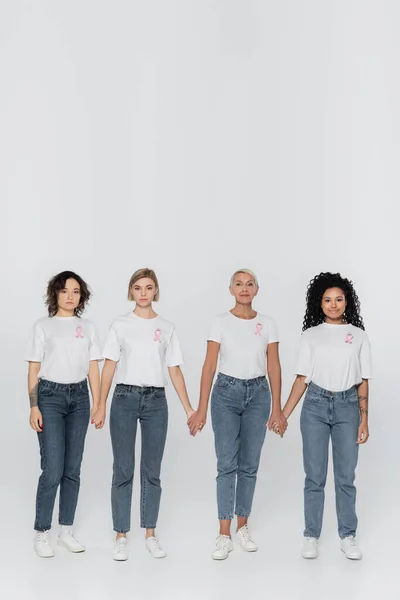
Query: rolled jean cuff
{"x": 121, "y": 530}
{"x": 229, "y": 518}
{"x": 42, "y": 529}
{"x": 346, "y": 535}
{"x": 244, "y": 515}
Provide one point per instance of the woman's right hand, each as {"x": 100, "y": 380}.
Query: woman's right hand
{"x": 35, "y": 420}
{"x": 196, "y": 422}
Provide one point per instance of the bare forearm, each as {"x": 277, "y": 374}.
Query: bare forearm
{"x": 207, "y": 376}
{"x": 275, "y": 380}
{"x": 107, "y": 376}
{"x": 33, "y": 384}
{"x": 178, "y": 381}
{"x": 94, "y": 381}
{"x": 298, "y": 389}
{"x": 363, "y": 391}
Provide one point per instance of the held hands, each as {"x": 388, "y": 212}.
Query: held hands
{"x": 277, "y": 423}
{"x": 35, "y": 419}
{"x": 98, "y": 416}
{"x": 196, "y": 422}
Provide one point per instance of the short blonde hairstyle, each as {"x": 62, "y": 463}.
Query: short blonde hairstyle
{"x": 248, "y": 272}
{"x": 140, "y": 274}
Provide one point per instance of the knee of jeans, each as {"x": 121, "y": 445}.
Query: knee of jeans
{"x": 247, "y": 470}
{"x": 226, "y": 467}
{"x": 52, "y": 477}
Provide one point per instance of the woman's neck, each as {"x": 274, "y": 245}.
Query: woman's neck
{"x": 145, "y": 312}
{"x": 243, "y": 311}
{"x": 65, "y": 313}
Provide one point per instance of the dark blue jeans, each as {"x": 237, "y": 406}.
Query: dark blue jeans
{"x": 239, "y": 409}
{"x": 326, "y": 415}
{"x": 148, "y": 405}
{"x": 65, "y": 410}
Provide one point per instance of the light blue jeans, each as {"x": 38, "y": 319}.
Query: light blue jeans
{"x": 334, "y": 415}
{"x": 239, "y": 409}
{"x": 148, "y": 405}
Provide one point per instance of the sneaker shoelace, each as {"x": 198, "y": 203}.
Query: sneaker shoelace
{"x": 120, "y": 545}
{"x": 244, "y": 532}
{"x": 43, "y": 538}
{"x": 154, "y": 543}
{"x": 222, "y": 542}
{"x": 351, "y": 541}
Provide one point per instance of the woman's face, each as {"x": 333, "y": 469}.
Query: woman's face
{"x": 69, "y": 297}
{"x": 333, "y": 304}
{"x": 243, "y": 288}
{"x": 143, "y": 292}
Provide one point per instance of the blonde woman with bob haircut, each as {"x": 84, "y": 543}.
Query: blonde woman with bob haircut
{"x": 139, "y": 346}
{"x": 246, "y": 343}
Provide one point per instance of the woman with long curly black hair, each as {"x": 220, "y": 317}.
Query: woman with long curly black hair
{"x": 62, "y": 352}
{"x": 334, "y": 365}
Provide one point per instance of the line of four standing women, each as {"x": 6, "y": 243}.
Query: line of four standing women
{"x": 333, "y": 365}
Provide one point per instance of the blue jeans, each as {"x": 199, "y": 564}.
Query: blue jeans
{"x": 65, "y": 411}
{"x": 239, "y": 409}
{"x": 148, "y": 405}
{"x": 327, "y": 415}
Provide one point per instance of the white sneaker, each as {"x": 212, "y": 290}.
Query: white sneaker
{"x": 67, "y": 540}
{"x": 349, "y": 547}
{"x": 223, "y": 547}
{"x": 154, "y": 547}
{"x": 121, "y": 549}
{"x": 310, "y": 547}
{"x": 242, "y": 537}
{"x": 42, "y": 545}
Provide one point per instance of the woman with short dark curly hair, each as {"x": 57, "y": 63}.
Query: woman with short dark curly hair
{"x": 334, "y": 365}
{"x": 62, "y": 352}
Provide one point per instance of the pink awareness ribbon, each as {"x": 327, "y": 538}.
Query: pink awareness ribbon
{"x": 349, "y": 338}
{"x": 79, "y": 333}
{"x": 258, "y": 329}
{"x": 157, "y": 335}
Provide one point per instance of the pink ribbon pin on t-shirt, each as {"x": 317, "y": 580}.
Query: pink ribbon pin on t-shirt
{"x": 258, "y": 329}
{"x": 157, "y": 335}
{"x": 349, "y": 338}
{"x": 79, "y": 333}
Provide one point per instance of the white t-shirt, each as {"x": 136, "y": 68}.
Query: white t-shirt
{"x": 335, "y": 357}
{"x": 64, "y": 346}
{"x": 244, "y": 342}
{"x": 142, "y": 348}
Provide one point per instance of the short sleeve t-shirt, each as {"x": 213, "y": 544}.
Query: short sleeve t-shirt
{"x": 243, "y": 343}
{"x": 64, "y": 346}
{"x": 142, "y": 348}
{"x": 334, "y": 357}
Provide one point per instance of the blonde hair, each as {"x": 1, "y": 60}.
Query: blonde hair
{"x": 140, "y": 274}
{"x": 247, "y": 272}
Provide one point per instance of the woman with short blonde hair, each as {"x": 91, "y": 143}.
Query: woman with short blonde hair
{"x": 139, "y": 346}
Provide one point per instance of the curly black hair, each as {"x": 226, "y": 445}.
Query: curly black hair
{"x": 57, "y": 283}
{"x": 315, "y": 291}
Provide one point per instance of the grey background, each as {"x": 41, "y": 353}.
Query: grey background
{"x": 197, "y": 137}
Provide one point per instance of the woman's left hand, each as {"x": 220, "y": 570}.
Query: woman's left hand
{"x": 277, "y": 422}
{"x": 98, "y": 416}
{"x": 363, "y": 433}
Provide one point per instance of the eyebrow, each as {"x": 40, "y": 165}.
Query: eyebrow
{"x": 337, "y": 297}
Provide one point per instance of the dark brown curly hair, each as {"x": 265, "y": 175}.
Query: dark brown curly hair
{"x": 315, "y": 291}
{"x": 57, "y": 283}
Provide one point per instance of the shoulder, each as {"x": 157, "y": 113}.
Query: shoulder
{"x": 121, "y": 320}
{"x": 43, "y": 324}
{"x": 85, "y": 323}
{"x": 265, "y": 319}
{"x": 311, "y": 332}
{"x": 357, "y": 331}
{"x": 222, "y": 318}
